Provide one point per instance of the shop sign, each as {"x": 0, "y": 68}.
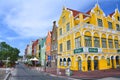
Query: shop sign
{"x": 79, "y": 50}
{"x": 94, "y": 50}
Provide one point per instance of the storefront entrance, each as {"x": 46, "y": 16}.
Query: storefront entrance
{"x": 117, "y": 62}
{"x": 89, "y": 63}
{"x": 96, "y": 63}
{"x": 79, "y": 64}
{"x": 112, "y": 61}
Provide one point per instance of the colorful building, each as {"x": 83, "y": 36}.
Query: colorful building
{"x": 88, "y": 41}
{"x": 40, "y": 45}
{"x": 43, "y": 52}
{"x": 48, "y": 49}
{"x": 54, "y": 45}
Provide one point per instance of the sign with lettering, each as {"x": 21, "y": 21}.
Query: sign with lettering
{"x": 94, "y": 50}
{"x": 79, "y": 50}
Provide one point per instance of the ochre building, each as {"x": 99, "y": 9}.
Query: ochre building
{"x": 88, "y": 41}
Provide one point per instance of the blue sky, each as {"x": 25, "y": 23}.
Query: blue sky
{"x": 22, "y": 21}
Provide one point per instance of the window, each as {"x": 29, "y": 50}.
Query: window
{"x": 109, "y": 25}
{"x": 68, "y": 45}
{"x": 60, "y": 62}
{"x": 60, "y": 31}
{"x": 69, "y": 62}
{"x": 98, "y": 12}
{"x": 77, "y": 42}
{"x": 67, "y": 26}
{"x": 61, "y": 47}
{"x": 63, "y": 19}
{"x": 100, "y": 22}
{"x": 117, "y": 27}
{"x": 96, "y": 42}
{"x": 110, "y": 43}
{"x": 118, "y": 18}
{"x": 104, "y": 43}
{"x": 116, "y": 44}
{"x": 64, "y": 61}
{"x": 88, "y": 41}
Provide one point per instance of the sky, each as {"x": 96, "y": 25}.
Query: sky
{"x": 23, "y": 21}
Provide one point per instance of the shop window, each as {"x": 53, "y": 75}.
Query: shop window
{"x": 109, "y": 25}
{"x": 60, "y": 62}
{"x": 77, "y": 42}
{"x": 68, "y": 45}
{"x": 64, "y": 61}
{"x": 110, "y": 43}
{"x": 104, "y": 43}
{"x": 69, "y": 62}
{"x": 88, "y": 41}
{"x": 96, "y": 42}
{"x": 100, "y": 23}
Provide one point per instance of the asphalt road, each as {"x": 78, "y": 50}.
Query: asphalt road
{"x": 21, "y": 72}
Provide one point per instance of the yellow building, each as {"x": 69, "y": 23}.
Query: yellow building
{"x": 88, "y": 41}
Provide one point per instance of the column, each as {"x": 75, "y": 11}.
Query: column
{"x": 107, "y": 44}
{"x": 114, "y": 63}
{"x": 92, "y": 64}
{"x": 113, "y": 42}
{"x": 100, "y": 42}
{"x": 92, "y": 40}
{"x": 82, "y": 40}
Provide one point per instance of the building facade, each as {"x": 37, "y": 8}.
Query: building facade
{"x": 48, "y": 49}
{"x": 43, "y": 52}
{"x": 88, "y": 41}
{"x": 54, "y": 45}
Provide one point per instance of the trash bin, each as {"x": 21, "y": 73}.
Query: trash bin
{"x": 68, "y": 72}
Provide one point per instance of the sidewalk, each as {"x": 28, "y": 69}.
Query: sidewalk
{"x": 83, "y": 75}
{"x": 4, "y": 73}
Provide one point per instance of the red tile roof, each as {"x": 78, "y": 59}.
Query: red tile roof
{"x": 88, "y": 12}
{"x": 111, "y": 14}
{"x": 75, "y": 12}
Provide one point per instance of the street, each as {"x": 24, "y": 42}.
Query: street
{"x": 21, "y": 72}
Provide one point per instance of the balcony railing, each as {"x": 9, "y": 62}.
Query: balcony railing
{"x": 89, "y": 26}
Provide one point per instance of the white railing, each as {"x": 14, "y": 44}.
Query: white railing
{"x": 89, "y": 26}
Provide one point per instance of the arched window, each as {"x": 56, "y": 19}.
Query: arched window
{"x": 69, "y": 62}
{"x": 60, "y": 62}
{"x": 64, "y": 61}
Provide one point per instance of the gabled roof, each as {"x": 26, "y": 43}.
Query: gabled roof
{"x": 111, "y": 14}
{"x": 75, "y": 12}
{"x": 88, "y": 12}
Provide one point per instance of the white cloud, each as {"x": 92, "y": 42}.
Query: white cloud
{"x": 31, "y": 18}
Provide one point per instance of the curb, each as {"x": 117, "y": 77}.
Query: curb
{"x": 7, "y": 76}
